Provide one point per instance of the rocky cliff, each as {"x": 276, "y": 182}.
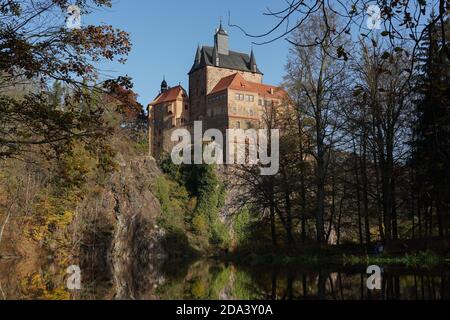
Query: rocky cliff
{"x": 133, "y": 249}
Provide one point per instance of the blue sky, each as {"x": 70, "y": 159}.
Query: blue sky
{"x": 165, "y": 35}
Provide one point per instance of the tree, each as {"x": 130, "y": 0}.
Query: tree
{"x": 320, "y": 85}
{"x": 431, "y": 145}
{"x": 401, "y": 22}
{"x": 385, "y": 102}
{"x": 36, "y": 51}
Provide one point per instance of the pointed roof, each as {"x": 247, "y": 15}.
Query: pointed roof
{"x": 253, "y": 65}
{"x": 198, "y": 55}
{"x": 234, "y": 60}
{"x": 164, "y": 82}
{"x": 215, "y": 56}
{"x": 169, "y": 95}
{"x": 237, "y": 82}
{"x": 221, "y": 30}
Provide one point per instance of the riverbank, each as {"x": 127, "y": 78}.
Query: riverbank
{"x": 415, "y": 254}
{"x": 425, "y": 259}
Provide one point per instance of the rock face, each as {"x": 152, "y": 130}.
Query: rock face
{"x": 134, "y": 253}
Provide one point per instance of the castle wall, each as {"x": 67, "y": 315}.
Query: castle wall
{"x": 217, "y": 111}
{"x": 247, "y": 113}
{"x": 165, "y": 118}
{"x": 197, "y": 94}
{"x": 201, "y": 83}
{"x": 215, "y": 74}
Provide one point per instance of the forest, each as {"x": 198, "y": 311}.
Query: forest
{"x": 364, "y": 158}
{"x": 364, "y": 152}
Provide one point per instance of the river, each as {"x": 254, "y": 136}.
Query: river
{"x": 206, "y": 279}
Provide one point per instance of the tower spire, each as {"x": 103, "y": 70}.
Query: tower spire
{"x": 221, "y": 30}
{"x": 164, "y": 86}
{"x": 198, "y": 56}
{"x": 221, "y": 40}
{"x": 253, "y": 65}
{"x": 215, "y": 55}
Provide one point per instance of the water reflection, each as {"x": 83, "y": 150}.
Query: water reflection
{"x": 216, "y": 280}
{"x": 221, "y": 281}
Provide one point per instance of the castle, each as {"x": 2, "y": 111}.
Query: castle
{"x": 225, "y": 91}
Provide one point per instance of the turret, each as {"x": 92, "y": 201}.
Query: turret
{"x": 198, "y": 56}
{"x": 221, "y": 40}
{"x": 164, "y": 86}
{"x": 215, "y": 56}
{"x": 253, "y": 65}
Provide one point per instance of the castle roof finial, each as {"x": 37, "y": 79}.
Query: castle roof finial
{"x": 164, "y": 86}
{"x": 221, "y": 30}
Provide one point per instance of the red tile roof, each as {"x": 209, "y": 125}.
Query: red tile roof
{"x": 169, "y": 95}
{"x": 237, "y": 82}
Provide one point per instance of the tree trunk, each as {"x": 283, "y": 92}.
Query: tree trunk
{"x": 365, "y": 190}
{"x": 320, "y": 181}
{"x": 273, "y": 227}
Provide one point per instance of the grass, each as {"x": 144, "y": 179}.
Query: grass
{"x": 419, "y": 259}
{"x": 285, "y": 260}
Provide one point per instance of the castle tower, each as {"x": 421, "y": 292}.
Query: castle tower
{"x": 211, "y": 64}
{"x": 221, "y": 40}
{"x": 164, "y": 86}
{"x": 225, "y": 91}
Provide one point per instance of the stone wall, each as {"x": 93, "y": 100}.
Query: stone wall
{"x": 214, "y": 75}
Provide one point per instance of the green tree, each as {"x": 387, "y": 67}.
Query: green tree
{"x": 33, "y": 55}
{"x": 431, "y": 157}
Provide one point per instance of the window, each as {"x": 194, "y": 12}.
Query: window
{"x": 186, "y": 107}
{"x": 260, "y": 102}
{"x": 238, "y": 124}
{"x": 240, "y": 97}
{"x": 249, "y": 98}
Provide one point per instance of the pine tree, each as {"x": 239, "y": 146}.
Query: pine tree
{"x": 432, "y": 134}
